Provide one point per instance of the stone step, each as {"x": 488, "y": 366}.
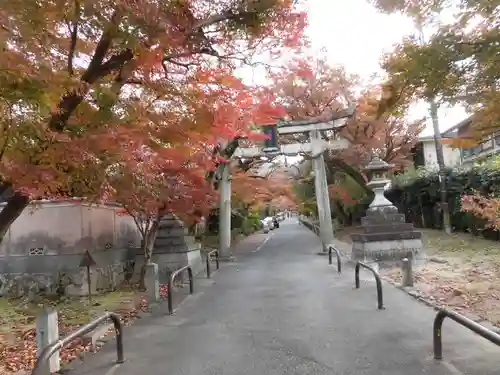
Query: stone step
{"x": 172, "y": 241}
{"x": 382, "y": 219}
{"x": 388, "y": 227}
{"x": 388, "y": 236}
{"x": 172, "y": 231}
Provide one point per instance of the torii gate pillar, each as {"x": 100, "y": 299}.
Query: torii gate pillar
{"x": 225, "y": 214}
{"x": 321, "y": 189}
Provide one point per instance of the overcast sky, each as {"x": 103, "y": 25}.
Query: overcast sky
{"x": 355, "y": 35}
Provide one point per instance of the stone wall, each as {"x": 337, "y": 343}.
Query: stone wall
{"x": 42, "y": 252}
{"x": 31, "y": 276}
{"x": 50, "y": 228}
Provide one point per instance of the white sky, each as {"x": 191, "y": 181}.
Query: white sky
{"x": 355, "y": 35}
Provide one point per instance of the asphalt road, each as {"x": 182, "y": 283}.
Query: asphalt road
{"x": 281, "y": 309}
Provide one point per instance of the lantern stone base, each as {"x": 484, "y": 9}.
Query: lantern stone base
{"x": 173, "y": 249}
{"x": 386, "y": 239}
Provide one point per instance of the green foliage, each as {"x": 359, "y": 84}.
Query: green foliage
{"x": 251, "y": 224}
{"x": 409, "y": 176}
{"x": 417, "y": 194}
{"x": 459, "y": 63}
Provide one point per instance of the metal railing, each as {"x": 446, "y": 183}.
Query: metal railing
{"x": 171, "y": 284}
{"x": 332, "y": 249}
{"x": 460, "y": 319}
{"x": 41, "y": 365}
{"x": 209, "y": 258}
{"x": 380, "y": 298}
{"x": 310, "y": 226}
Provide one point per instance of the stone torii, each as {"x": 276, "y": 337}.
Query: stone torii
{"x": 314, "y": 150}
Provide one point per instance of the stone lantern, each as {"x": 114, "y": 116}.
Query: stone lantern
{"x": 385, "y": 238}
{"x": 378, "y": 182}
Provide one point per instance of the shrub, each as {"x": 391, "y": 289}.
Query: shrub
{"x": 416, "y": 193}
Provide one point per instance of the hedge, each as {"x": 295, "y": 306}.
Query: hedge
{"x": 417, "y": 194}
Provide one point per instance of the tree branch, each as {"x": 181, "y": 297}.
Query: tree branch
{"x": 70, "y": 101}
{"x": 73, "y": 37}
{"x": 95, "y": 71}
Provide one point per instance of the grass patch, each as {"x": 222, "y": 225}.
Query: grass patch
{"x": 16, "y": 315}
{"x": 18, "y": 320}
{"x": 459, "y": 244}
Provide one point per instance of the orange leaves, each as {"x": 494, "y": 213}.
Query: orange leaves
{"x": 460, "y": 142}
{"x": 309, "y": 87}
{"x": 341, "y": 195}
{"x": 487, "y": 208}
{"x": 136, "y": 119}
{"x": 256, "y": 190}
{"x": 391, "y": 136}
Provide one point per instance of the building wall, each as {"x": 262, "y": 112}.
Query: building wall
{"x": 488, "y": 147}
{"x": 65, "y": 228}
{"x": 451, "y": 156}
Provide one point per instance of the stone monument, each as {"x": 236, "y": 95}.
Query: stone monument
{"x": 385, "y": 238}
{"x": 173, "y": 249}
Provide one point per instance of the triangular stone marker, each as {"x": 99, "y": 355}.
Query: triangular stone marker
{"x": 87, "y": 260}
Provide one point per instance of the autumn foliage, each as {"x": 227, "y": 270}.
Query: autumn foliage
{"x": 126, "y": 101}
{"x": 313, "y": 88}
{"x": 457, "y": 63}
{"x": 391, "y": 136}
{"x": 487, "y": 208}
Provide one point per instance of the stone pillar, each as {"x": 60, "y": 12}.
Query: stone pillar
{"x": 47, "y": 332}
{"x": 321, "y": 189}
{"x": 152, "y": 281}
{"x": 407, "y": 271}
{"x": 386, "y": 238}
{"x": 225, "y": 213}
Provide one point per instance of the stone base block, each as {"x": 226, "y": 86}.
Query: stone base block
{"x": 169, "y": 262}
{"x": 388, "y": 253}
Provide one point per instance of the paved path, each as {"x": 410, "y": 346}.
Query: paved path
{"x": 280, "y": 309}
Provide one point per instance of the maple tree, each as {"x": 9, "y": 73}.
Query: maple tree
{"x": 83, "y": 84}
{"x": 151, "y": 181}
{"x": 487, "y": 208}
{"x": 253, "y": 189}
{"x": 387, "y": 134}
{"x": 154, "y": 185}
{"x": 459, "y": 63}
{"x": 313, "y": 88}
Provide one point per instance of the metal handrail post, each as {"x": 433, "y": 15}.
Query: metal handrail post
{"x": 171, "y": 283}
{"x": 51, "y": 349}
{"x": 462, "y": 320}
{"x": 380, "y": 298}
{"x": 332, "y": 249}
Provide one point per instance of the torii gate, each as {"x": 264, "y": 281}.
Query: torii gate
{"x": 315, "y": 149}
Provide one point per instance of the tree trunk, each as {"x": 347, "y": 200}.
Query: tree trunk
{"x": 340, "y": 211}
{"x": 15, "y": 206}
{"x": 351, "y": 172}
{"x": 440, "y": 159}
{"x": 148, "y": 245}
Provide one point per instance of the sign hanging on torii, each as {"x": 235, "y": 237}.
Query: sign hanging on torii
{"x": 271, "y": 143}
